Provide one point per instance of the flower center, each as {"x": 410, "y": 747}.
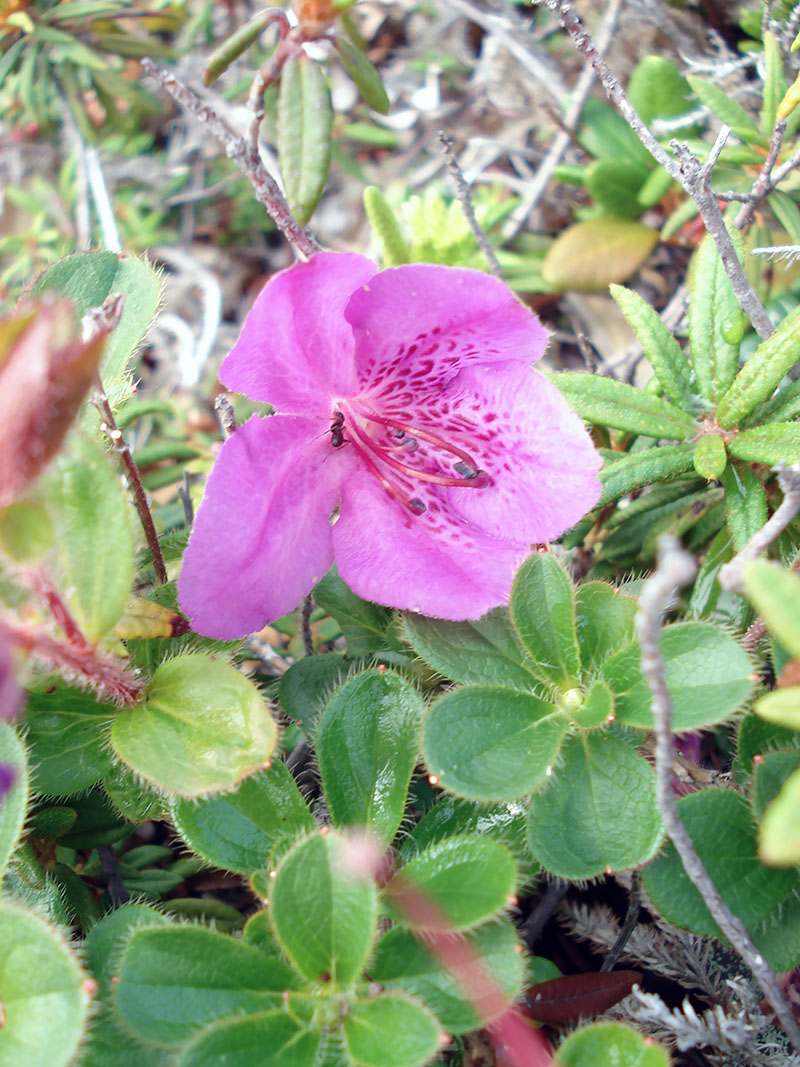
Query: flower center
{"x": 391, "y": 448}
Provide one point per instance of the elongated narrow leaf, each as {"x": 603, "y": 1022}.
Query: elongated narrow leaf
{"x": 366, "y": 77}
{"x": 745, "y": 503}
{"x": 727, "y": 110}
{"x": 774, "y": 442}
{"x": 659, "y": 346}
{"x": 638, "y": 469}
{"x": 611, "y": 403}
{"x": 774, "y": 82}
{"x": 305, "y": 130}
{"x": 224, "y": 54}
{"x": 714, "y": 321}
{"x": 762, "y": 373}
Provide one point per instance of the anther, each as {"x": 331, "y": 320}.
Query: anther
{"x": 465, "y": 470}
{"x": 416, "y": 506}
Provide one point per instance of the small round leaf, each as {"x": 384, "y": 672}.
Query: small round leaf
{"x": 271, "y": 1039}
{"x": 602, "y": 1044}
{"x": 390, "y": 1031}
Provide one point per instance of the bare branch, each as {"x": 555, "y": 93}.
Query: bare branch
{"x": 243, "y": 153}
{"x": 691, "y": 176}
{"x": 464, "y": 195}
{"x": 675, "y": 569}
{"x": 761, "y": 186}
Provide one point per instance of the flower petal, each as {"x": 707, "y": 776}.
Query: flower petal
{"x": 429, "y": 563}
{"x": 536, "y": 450}
{"x": 262, "y": 535}
{"x": 422, "y": 324}
{"x": 295, "y": 350}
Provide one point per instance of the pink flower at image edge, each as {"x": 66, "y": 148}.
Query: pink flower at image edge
{"x": 10, "y": 705}
{"x": 407, "y": 405}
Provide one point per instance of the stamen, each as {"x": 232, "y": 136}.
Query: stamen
{"x": 424, "y": 435}
{"x": 415, "y": 506}
{"x": 465, "y": 470}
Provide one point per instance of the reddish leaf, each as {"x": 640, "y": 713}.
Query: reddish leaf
{"x": 46, "y": 370}
{"x": 577, "y": 996}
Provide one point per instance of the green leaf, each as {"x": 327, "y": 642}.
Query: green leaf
{"x": 769, "y": 776}
{"x": 93, "y": 554}
{"x": 202, "y": 728}
{"x": 14, "y": 804}
{"x": 67, "y": 731}
{"x": 598, "y": 812}
{"x": 305, "y": 132}
{"x": 774, "y": 82}
{"x": 721, "y": 827}
{"x": 271, "y": 1039}
{"x": 714, "y": 316}
{"x": 775, "y": 593}
{"x": 727, "y": 111}
{"x": 637, "y": 469}
{"x": 787, "y": 213}
{"x": 390, "y": 1030}
{"x": 306, "y": 687}
{"x": 97, "y": 822}
{"x": 589, "y": 256}
{"x": 601, "y": 1044}
{"x": 710, "y": 456}
{"x": 238, "y": 42}
{"x": 237, "y": 830}
{"x": 175, "y": 980}
{"x": 778, "y": 937}
{"x": 604, "y": 621}
{"x": 543, "y": 614}
{"x": 401, "y": 963}
{"x": 87, "y": 278}
{"x": 482, "y": 651}
{"x": 42, "y": 992}
{"x": 615, "y": 184}
{"x": 607, "y": 402}
{"x": 367, "y": 749}
{"x": 492, "y": 744}
{"x": 745, "y": 503}
{"x": 606, "y": 135}
{"x": 782, "y": 407}
{"x": 706, "y": 589}
{"x": 657, "y": 89}
{"x": 451, "y": 815}
{"x": 782, "y": 707}
{"x": 323, "y": 911}
{"x": 363, "y": 624}
{"x": 136, "y": 801}
{"x": 708, "y": 675}
{"x": 663, "y": 352}
{"x": 762, "y": 373}
{"x": 107, "y": 939}
{"x": 363, "y": 73}
{"x": 596, "y": 708}
{"x": 775, "y": 442}
{"x": 453, "y": 885}
{"x": 385, "y": 228}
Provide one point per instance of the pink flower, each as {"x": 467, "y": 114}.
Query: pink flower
{"x": 407, "y": 402}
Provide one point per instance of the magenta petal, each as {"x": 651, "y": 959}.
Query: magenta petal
{"x": 10, "y": 692}
{"x": 427, "y": 322}
{"x": 537, "y": 452}
{"x": 295, "y": 350}
{"x": 428, "y": 563}
{"x": 262, "y": 535}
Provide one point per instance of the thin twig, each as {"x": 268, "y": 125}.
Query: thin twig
{"x": 540, "y": 916}
{"x": 185, "y": 496}
{"x": 675, "y": 569}
{"x": 226, "y": 418}
{"x": 109, "y": 861}
{"x": 730, "y": 575}
{"x": 761, "y": 184}
{"x": 308, "y": 637}
{"x": 628, "y": 926}
{"x": 562, "y": 140}
{"x": 688, "y": 172}
{"x": 464, "y": 195}
{"x": 243, "y": 153}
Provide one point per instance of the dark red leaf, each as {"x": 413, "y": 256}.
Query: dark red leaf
{"x": 577, "y": 996}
